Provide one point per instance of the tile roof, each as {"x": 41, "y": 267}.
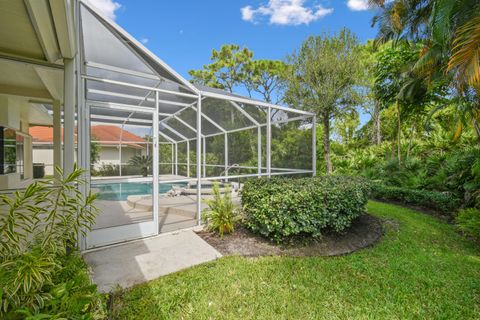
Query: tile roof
{"x": 104, "y": 134}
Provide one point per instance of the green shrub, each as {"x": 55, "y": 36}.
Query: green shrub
{"x": 439, "y": 201}
{"x": 280, "y": 207}
{"x": 39, "y": 276}
{"x": 468, "y": 220}
{"x": 109, "y": 170}
{"x": 70, "y": 295}
{"x": 220, "y": 215}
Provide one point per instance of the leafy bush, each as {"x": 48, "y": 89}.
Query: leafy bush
{"x": 220, "y": 215}
{"x": 71, "y": 295}
{"x": 280, "y": 207}
{"x": 430, "y": 165}
{"x": 459, "y": 173}
{"x": 38, "y": 229}
{"x": 468, "y": 220}
{"x": 439, "y": 201}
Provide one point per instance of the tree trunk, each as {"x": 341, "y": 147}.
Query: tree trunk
{"x": 377, "y": 139}
{"x": 326, "y": 143}
{"x": 476, "y": 128}
{"x": 399, "y": 133}
{"x": 410, "y": 142}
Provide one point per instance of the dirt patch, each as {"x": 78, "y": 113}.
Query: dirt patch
{"x": 365, "y": 231}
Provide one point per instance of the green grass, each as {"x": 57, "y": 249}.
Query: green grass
{"x": 421, "y": 270}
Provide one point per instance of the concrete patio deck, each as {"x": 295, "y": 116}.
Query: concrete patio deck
{"x": 174, "y": 212}
{"x": 135, "y": 262}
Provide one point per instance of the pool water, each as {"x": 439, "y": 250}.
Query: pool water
{"x": 121, "y": 191}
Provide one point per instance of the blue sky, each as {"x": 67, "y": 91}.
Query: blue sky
{"x": 183, "y": 33}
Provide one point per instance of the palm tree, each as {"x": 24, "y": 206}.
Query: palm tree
{"x": 142, "y": 162}
{"x": 450, "y": 33}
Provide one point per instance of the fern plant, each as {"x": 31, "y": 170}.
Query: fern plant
{"x": 220, "y": 216}
{"x": 37, "y": 226}
{"x": 468, "y": 220}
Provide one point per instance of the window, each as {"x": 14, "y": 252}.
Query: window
{"x": 11, "y": 152}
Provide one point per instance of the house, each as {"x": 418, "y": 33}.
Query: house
{"x": 109, "y": 140}
{"x": 66, "y": 66}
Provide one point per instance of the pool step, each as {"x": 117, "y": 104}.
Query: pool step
{"x": 140, "y": 202}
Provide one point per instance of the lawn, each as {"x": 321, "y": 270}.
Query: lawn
{"x": 421, "y": 269}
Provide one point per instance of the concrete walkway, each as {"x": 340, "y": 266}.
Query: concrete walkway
{"x": 139, "y": 261}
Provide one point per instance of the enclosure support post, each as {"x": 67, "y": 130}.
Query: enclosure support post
{"x": 314, "y": 146}
{"x": 269, "y": 140}
{"x": 226, "y": 156}
{"x": 199, "y": 159}
{"x": 155, "y": 161}
{"x": 172, "y": 158}
{"x": 204, "y": 157}
{"x": 176, "y": 159}
{"x": 120, "y": 152}
{"x": 188, "y": 158}
{"x": 69, "y": 116}
{"x": 57, "y": 136}
{"x": 259, "y": 150}
{"x": 74, "y": 86}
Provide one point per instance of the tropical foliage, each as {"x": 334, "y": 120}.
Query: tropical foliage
{"x": 40, "y": 273}
{"x": 468, "y": 220}
{"x": 449, "y": 33}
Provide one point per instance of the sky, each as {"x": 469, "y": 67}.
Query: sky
{"x": 184, "y": 32}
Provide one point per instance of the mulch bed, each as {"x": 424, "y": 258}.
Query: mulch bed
{"x": 364, "y": 232}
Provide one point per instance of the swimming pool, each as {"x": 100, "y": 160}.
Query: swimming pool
{"x": 121, "y": 191}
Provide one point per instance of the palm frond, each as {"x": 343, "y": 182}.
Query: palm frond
{"x": 431, "y": 56}
{"x": 465, "y": 59}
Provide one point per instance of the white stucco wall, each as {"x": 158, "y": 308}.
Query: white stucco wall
{"x": 44, "y": 156}
{"x": 107, "y": 155}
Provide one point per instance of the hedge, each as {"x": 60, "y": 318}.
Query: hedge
{"x": 280, "y": 208}
{"x": 438, "y": 201}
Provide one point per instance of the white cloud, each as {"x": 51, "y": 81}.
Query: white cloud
{"x": 247, "y": 13}
{"x": 107, "y": 7}
{"x": 358, "y": 5}
{"x": 285, "y": 12}
{"x": 144, "y": 40}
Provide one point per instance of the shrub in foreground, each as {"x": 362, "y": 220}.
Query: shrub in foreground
{"x": 41, "y": 275}
{"x": 468, "y": 220}
{"x": 439, "y": 201}
{"x": 281, "y": 207}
